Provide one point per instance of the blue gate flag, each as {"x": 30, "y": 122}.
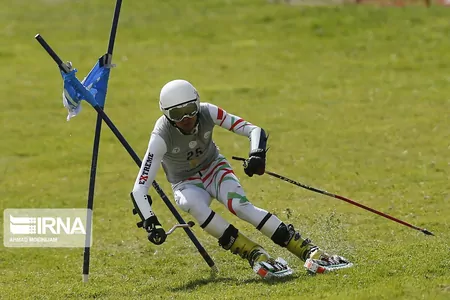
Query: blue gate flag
{"x": 92, "y": 89}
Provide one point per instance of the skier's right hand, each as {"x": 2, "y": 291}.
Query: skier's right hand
{"x": 156, "y": 233}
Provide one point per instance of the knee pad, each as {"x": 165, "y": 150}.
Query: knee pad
{"x": 283, "y": 235}
{"x": 228, "y": 237}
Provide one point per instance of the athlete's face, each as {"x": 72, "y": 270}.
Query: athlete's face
{"x": 187, "y": 124}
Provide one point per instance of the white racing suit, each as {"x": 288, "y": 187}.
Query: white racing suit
{"x": 198, "y": 173}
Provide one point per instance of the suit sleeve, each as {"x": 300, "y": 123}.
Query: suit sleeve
{"x": 147, "y": 173}
{"x": 238, "y": 125}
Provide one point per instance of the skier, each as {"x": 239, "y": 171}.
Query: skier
{"x": 182, "y": 143}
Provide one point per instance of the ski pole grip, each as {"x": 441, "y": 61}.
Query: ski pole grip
{"x": 238, "y": 158}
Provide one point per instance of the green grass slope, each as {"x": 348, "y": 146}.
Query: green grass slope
{"x": 356, "y": 101}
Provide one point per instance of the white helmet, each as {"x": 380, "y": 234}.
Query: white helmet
{"x": 179, "y": 99}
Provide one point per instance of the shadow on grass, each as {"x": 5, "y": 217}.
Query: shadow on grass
{"x": 194, "y": 284}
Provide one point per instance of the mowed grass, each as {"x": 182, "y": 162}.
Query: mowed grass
{"x": 356, "y": 101}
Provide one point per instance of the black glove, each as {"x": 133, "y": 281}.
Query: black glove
{"x": 156, "y": 233}
{"x": 256, "y": 163}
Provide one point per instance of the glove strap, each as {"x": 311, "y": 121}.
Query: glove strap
{"x": 258, "y": 152}
{"x": 151, "y": 223}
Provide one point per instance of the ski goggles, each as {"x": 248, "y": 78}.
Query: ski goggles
{"x": 178, "y": 113}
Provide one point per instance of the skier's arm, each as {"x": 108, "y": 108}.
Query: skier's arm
{"x": 257, "y": 135}
{"x": 256, "y": 163}
{"x": 147, "y": 173}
